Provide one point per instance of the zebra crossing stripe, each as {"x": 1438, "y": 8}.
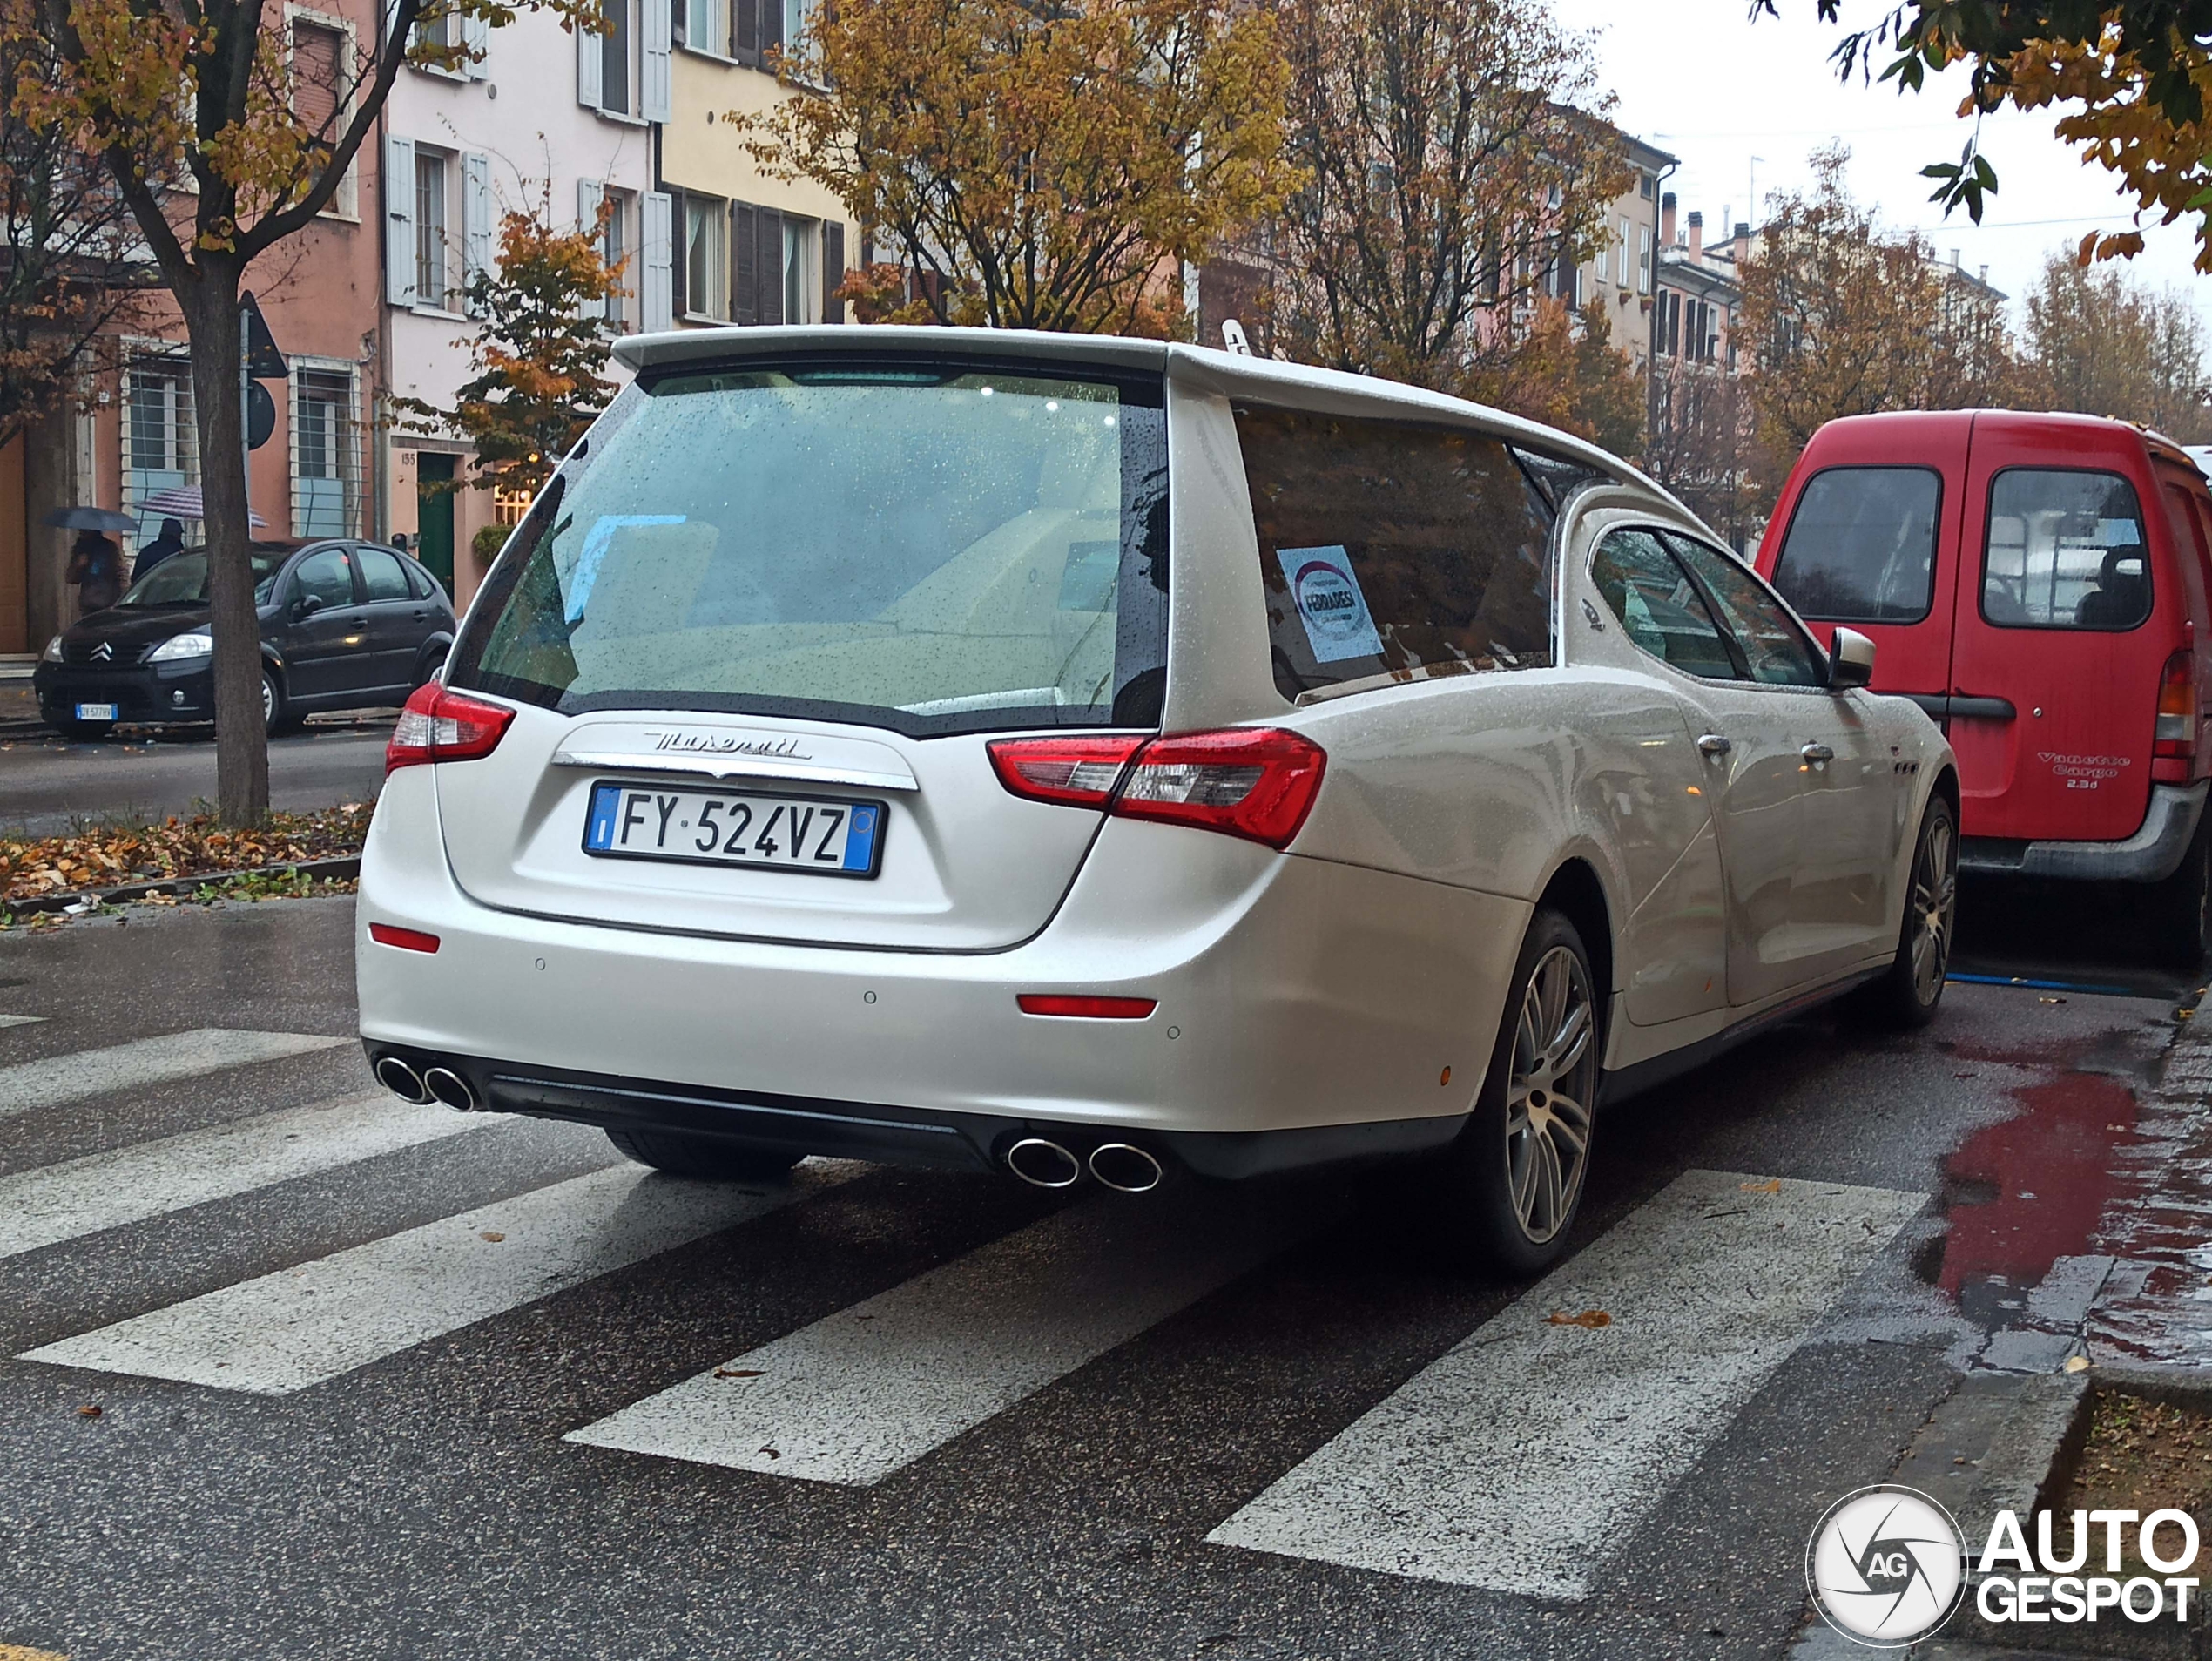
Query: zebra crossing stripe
{"x": 1518, "y": 1459}
{"x": 103, "y": 1191}
{"x": 285, "y": 1331}
{"x": 865, "y": 1392}
{"x": 19, "y": 1021}
{"x": 28, "y": 1085}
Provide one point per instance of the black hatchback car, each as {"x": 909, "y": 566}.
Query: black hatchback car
{"x": 344, "y": 625}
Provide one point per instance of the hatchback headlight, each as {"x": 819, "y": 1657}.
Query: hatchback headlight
{"x": 53, "y": 652}
{"x": 177, "y": 647}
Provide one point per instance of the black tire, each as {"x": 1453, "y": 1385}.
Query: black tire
{"x": 1910, "y": 989}
{"x": 276, "y": 709}
{"x": 1508, "y": 1188}
{"x": 710, "y": 1158}
{"x": 2182, "y": 906}
{"x": 83, "y": 731}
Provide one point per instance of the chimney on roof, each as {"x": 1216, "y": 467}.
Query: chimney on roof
{"x": 1984, "y": 277}
{"x": 1742, "y": 232}
{"x": 1696, "y": 236}
{"x": 1667, "y": 221}
{"x": 1955, "y": 265}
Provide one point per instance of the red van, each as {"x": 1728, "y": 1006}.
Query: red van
{"x": 2038, "y": 584}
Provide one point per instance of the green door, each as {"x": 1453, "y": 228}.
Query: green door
{"x": 434, "y": 515}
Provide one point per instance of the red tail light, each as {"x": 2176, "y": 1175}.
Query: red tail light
{"x": 2176, "y": 731}
{"x": 1090, "y": 1008}
{"x": 408, "y": 939}
{"x": 1257, "y": 782}
{"x": 440, "y": 726}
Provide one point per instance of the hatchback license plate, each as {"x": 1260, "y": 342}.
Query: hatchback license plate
{"x": 735, "y": 827}
{"x": 96, "y": 711}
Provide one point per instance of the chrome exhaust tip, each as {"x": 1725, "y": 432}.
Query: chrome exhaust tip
{"x": 1043, "y": 1165}
{"x": 450, "y": 1088}
{"x": 395, "y": 1076}
{"x": 1125, "y": 1168}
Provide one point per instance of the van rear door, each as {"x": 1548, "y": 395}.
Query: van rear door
{"x": 2064, "y": 592}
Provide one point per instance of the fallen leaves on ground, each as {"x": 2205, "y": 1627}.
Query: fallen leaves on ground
{"x": 1771, "y": 1185}
{"x": 737, "y": 1372}
{"x": 1592, "y": 1319}
{"x": 198, "y": 846}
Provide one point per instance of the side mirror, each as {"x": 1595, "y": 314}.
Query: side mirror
{"x": 1850, "y": 661}
{"x": 305, "y": 605}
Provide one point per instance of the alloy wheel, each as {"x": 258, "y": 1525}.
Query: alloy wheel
{"x": 1934, "y": 907}
{"x": 1549, "y": 1094}
{"x": 268, "y": 700}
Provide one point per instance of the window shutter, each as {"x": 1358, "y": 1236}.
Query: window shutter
{"x": 589, "y": 192}
{"x": 679, "y": 249}
{"x": 476, "y": 35}
{"x": 656, "y": 283}
{"x": 833, "y": 270}
{"x": 744, "y": 263}
{"x": 744, "y": 31}
{"x": 589, "y": 90}
{"x": 399, "y": 221}
{"x": 657, "y": 25}
{"x": 769, "y": 262}
{"x": 475, "y": 225}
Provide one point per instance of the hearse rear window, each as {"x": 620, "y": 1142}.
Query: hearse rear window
{"x": 1390, "y": 549}
{"x": 1861, "y": 545}
{"x": 2066, "y": 550}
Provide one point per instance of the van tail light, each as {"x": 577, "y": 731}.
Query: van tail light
{"x": 2176, "y": 731}
{"x": 1257, "y": 782}
{"x": 440, "y": 726}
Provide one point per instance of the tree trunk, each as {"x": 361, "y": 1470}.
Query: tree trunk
{"x": 241, "y": 738}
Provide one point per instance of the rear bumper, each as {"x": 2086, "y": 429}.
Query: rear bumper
{"x": 2152, "y": 854}
{"x": 1294, "y": 996}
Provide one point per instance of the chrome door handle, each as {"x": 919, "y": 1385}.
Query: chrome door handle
{"x": 1713, "y": 744}
{"x": 1817, "y": 753}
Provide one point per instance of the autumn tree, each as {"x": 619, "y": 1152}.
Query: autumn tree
{"x": 1698, "y": 442}
{"x": 537, "y": 355}
{"x": 66, "y": 236}
{"x": 1028, "y": 166}
{"x": 1843, "y": 317}
{"x": 2098, "y": 342}
{"x": 1456, "y": 170}
{"x": 221, "y": 153}
{"x": 1560, "y": 366}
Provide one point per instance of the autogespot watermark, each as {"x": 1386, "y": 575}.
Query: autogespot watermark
{"x": 1887, "y": 1566}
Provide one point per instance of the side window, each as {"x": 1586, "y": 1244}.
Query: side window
{"x": 2066, "y": 550}
{"x": 381, "y": 576}
{"x": 1387, "y": 548}
{"x": 1659, "y": 607}
{"x": 1861, "y": 545}
{"x": 1774, "y": 647}
{"x": 1556, "y": 476}
{"x": 328, "y": 575}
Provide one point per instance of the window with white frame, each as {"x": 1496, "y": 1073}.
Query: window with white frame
{"x": 160, "y": 443}
{"x": 326, "y": 449}
{"x": 618, "y": 56}
{"x": 322, "y": 71}
{"x": 1623, "y": 254}
{"x": 801, "y": 290}
{"x": 707, "y": 260}
{"x": 436, "y": 281}
{"x": 706, "y": 26}
{"x": 1644, "y": 259}
{"x": 619, "y": 248}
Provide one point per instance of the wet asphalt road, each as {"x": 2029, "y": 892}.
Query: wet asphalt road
{"x": 425, "y": 1503}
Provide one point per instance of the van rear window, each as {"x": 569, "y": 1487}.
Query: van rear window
{"x": 1386, "y": 548}
{"x": 1861, "y": 545}
{"x": 921, "y": 546}
{"x": 2066, "y": 550}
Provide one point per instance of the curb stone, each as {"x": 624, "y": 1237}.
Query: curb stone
{"x": 347, "y": 865}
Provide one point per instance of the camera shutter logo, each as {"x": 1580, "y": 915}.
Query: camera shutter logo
{"x": 1885, "y": 1567}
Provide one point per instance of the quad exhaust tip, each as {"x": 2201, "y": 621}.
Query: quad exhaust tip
{"x": 401, "y": 1080}
{"x": 450, "y": 1088}
{"x": 1043, "y": 1165}
{"x": 1125, "y": 1167}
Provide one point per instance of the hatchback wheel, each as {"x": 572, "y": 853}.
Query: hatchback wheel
{"x": 2182, "y": 905}
{"x": 1513, "y": 1181}
{"x": 272, "y": 703}
{"x": 1910, "y": 990}
{"x": 708, "y": 1157}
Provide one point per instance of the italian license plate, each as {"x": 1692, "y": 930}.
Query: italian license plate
{"x": 96, "y": 711}
{"x": 735, "y": 827}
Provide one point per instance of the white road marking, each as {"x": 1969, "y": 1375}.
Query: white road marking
{"x": 29, "y": 1084}
{"x": 1518, "y": 1459}
{"x": 20, "y": 1020}
{"x": 863, "y": 1393}
{"x": 285, "y": 1331}
{"x": 102, "y": 1190}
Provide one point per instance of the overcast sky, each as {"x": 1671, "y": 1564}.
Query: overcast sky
{"x": 1704, "y": 83}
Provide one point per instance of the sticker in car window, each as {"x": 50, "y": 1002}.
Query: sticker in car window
{"x": 2117, "y": 533}
{"x": 1329, "y": 603}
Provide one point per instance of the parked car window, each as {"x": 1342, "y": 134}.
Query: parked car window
{"x": 327, "y": 575}
{"x": 381, "y": 578}
{"x": 424, "y": 586}
{"x": 1659, "y": 607}
{"x": 181, "y": 579}
{"x": 1861, "y": 545}
{"x": 903, "y": 544}
{"x": 1774, "y": 648}
{"x": 1390, "y": 548}
{"x": 2065, "y": 549}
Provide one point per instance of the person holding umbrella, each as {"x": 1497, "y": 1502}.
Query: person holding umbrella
{"x": 171, "y": 541}
{"x": 96, "y": 563}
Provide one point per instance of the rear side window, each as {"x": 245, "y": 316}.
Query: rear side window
{"x": 381, "y": 576}
{"x": 2065, "y": 549}
{"x": 903, "y": 544}
{"x": 326, "y": 576}
{"x": 1387, "y": 548}
{"x": 1659, "y": 607}
{"x": 1861, "y": 545}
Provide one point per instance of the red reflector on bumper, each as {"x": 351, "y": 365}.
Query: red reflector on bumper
{"x": 408, "y": 939}
{"x": 1089, "y": 1009}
